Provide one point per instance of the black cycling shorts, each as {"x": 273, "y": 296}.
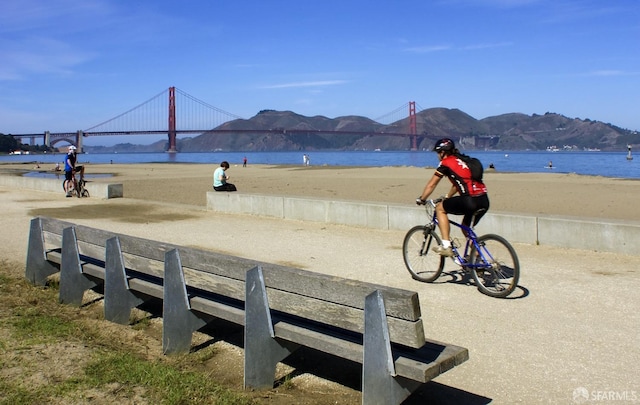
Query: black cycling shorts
{"x": 467, "y": 205}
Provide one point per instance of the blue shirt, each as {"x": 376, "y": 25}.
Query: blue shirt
{"x": 217, "y": 175}
{"x": 70, "y": 158}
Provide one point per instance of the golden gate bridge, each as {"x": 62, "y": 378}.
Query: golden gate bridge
{"x": 159, "y": 115}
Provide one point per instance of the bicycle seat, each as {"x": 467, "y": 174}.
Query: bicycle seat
{"x": 475, "y": 215}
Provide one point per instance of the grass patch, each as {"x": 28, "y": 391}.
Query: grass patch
{"x": 165, "y": 383}
{"x": 53, "y": 353}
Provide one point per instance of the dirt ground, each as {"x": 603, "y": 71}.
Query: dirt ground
{"x": 572, "y": 323}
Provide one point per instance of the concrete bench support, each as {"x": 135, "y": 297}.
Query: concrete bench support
{"x": 73, "y": 282}
{"x": 380, "y": 382}
{"x": 262, "y": 350}
{"x": 119, "y": 299}
{"x": 38, "y": 268}
{"x": 179, "y": 321}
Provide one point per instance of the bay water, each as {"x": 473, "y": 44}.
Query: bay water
{"x": 607, "y": 164}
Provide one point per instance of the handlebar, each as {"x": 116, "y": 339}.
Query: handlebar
{"x": 431, "y": 202}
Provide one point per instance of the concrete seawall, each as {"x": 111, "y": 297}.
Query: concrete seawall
{"x": 96, "y": 190}
{"x": 570, "y": 232}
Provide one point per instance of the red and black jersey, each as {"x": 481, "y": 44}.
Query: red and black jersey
{"x": 460, "y": 176}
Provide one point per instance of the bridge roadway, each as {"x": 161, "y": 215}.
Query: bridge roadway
{"x": 572, "y": 324}
{"x": 224, "y": 131}
{"x": 75, "y": 138}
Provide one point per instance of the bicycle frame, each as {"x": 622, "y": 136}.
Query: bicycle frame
{"x": 471, "y": 241}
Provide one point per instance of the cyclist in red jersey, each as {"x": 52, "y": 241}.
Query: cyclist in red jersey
{"x": 472, "y": 193}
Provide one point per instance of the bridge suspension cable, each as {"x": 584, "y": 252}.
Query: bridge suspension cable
{"x": 133, "y": 117}
{"x": 395, "y": 115}
{"x": 199, "y": 113}
{"x": 151, "y": 115}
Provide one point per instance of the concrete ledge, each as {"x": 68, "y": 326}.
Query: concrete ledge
{"x": 96, "y": 190}
{"x": 254, "y": 204}
{"x": 516, "y": 228}
{"x": 589, "y": 234}
{"x": 578, "y": 233}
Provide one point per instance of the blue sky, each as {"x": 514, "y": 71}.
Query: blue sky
{"x": 67, "y": 65}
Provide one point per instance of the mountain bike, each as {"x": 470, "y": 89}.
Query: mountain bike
{"x": 491, "y": 260}
{"x": 77, "y": 185}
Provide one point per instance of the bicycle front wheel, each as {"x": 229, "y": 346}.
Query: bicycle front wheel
{"x": 498, "y": 268}
{"x": 424, "y": 265}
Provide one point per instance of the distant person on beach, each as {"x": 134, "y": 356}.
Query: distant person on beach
{"x": 70, "y": 168}
{"x": 220, "y": 178}
{"x": 473, "y": 194}
{"x": 244, "y": 162}
{"x": 57, "y": 168}
{"x": 305, "y": 160}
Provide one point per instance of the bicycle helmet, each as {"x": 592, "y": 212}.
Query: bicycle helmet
{"x": 72, "y": 148}
{"x": 444, "y": 144}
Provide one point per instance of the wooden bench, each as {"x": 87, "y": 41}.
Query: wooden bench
{"x": 281, "y": 308}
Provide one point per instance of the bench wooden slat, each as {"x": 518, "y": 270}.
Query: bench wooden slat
{"x": 410, "y": 333}
{"x": 218, "y": 309}
{"x": 444, "y": 357}
{"x": 401, "y": 331}
{"x": 341, "y": 347}
{"x": 146, "y": 287}
{"x": 401, "y": 303}
{"x": 412, "y": 364}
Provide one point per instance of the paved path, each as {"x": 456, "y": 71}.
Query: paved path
{"x": 573, "y": 324}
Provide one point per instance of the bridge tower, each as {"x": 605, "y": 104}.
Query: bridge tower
{"x": 412, "y": 125}
{"x": 172, "y": 120}
{"x": 79, "y": 136}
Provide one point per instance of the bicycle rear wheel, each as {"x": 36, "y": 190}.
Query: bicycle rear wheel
{"x": 500, "y": 276}
{"x": 424, "y": 265}
{"x": 73, "y": 191}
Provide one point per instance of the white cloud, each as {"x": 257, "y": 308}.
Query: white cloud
{"x": 440, "y": 48}
{"x": 428, "y": 48}
{"x": 486, "y": 46}
{"x": 319, "y": 83}
{"x": 24, "y": 57}
{"x": 612, "y": 72}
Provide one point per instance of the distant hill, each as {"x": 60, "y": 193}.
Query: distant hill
{"x": 286, "y": 130}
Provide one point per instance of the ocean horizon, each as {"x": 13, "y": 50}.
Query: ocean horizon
{"x": 592, "y": 163}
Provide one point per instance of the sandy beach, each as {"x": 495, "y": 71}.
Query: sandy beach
{"x": 527, "y": 193}
{"x": 571, "y": 324}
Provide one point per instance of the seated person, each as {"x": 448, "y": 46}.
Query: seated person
{"x": 220, "y": 178}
